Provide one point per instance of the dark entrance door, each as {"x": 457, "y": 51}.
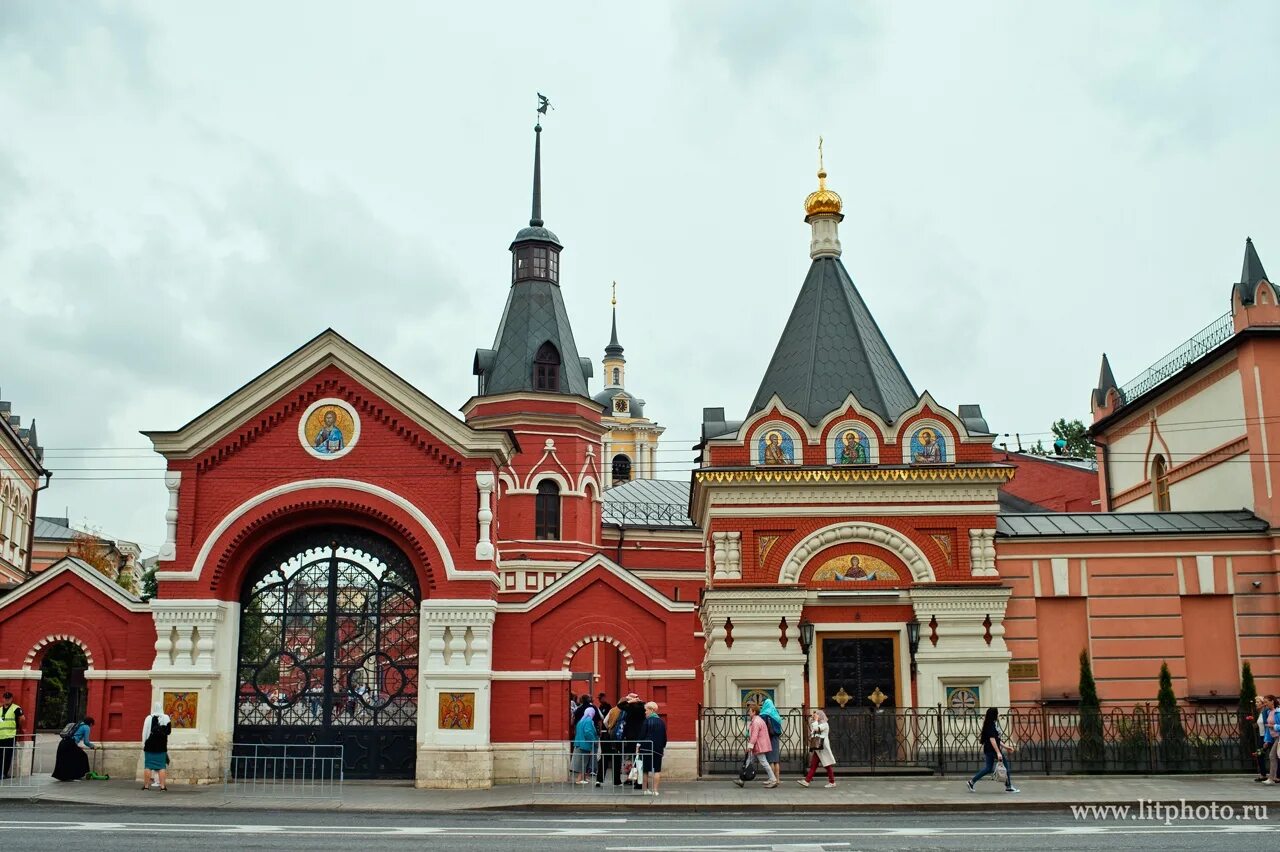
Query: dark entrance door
{"x": 329, "y": 650}
{"x": 855, "y": 671}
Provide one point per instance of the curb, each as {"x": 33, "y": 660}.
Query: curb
{"x": 995, "y": 804}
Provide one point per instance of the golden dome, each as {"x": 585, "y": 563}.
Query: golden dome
{"x": 822, "y": 200}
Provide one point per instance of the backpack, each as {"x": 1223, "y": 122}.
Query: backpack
{"x": 69, "y": 730}
{"x": 774, "y": 726}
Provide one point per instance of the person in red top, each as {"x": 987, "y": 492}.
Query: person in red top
{"x": 758, "y": 744}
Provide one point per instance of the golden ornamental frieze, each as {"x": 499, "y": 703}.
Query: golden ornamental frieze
{"x": 870, "y": 474}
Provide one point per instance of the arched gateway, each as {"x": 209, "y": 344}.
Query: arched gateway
{"x": 328, "y": 650}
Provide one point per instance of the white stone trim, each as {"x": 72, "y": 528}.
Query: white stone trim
{"x": 889, "y": 539}
{"x": 597, "y": 561}
{"x": 85, "y": 572}
{"x": 550, "y": 674}
{"x": 598, "y": 637}
{"x": 172, "y": 481}
{"x": 1058, "y": 568}
{"x": 1204, "y": 570}
{"x": 762, "y": 511}
{"x": 982, "y": 553}
{"x": 329, "y": 349}
{"x": 57, "y": 637}
{"x": 21, "y": 674}
{"x": 446, "y": 558}
{"x": 117, "y": 674}
{"x": 662, "y": 674}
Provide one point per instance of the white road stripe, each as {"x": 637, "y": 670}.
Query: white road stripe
{"x": 615, "y": 833}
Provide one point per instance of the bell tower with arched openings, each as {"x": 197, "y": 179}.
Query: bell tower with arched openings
{"x": 631, "y": 444}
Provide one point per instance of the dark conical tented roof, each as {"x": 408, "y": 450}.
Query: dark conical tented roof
{"x": 1251, "y": 273}
{"x": 534, "y": 315}
{"x": 832, "y": 347}
{"x": 1106, "y": 381}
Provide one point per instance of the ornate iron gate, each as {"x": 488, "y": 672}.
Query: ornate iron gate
{"x": 329, "y": 650}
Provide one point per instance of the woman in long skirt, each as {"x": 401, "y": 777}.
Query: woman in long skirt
{"x": 72, "y": 762}
{"x": 155, "y": 747}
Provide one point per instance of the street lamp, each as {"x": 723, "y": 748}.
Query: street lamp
{"x": 913, "y": 641}
{"x": 806, "y": 642}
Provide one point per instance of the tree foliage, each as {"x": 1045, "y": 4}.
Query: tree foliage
{"x": 1173, "y": 738}
{"x": 1070, "y": 438}
{"x": 102, "y": 556}
{"x": 1092, "y": 747}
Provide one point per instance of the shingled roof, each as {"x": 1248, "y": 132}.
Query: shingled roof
{"x": 832, "y": 347}
{"x": 534, "y": 314}
{"x": 1251, "y": 273}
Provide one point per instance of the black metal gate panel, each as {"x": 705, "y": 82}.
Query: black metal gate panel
{"x": 856, "y": 672}
{"x": 329, "y": 650}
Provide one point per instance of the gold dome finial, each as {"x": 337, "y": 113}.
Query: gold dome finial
{"x": 822, "y": 200}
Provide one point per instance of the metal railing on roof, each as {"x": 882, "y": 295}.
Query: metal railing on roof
{"x": 1202, "y": 342}
{"x": 646, "y": 514}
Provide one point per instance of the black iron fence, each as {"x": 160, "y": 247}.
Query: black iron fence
{"x": 1047, "y": 740}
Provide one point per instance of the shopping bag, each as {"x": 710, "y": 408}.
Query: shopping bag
{"x": 1002, "y": 772}
{"x": 748, "y": 772}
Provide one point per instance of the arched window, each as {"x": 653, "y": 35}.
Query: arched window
{"x": 617, "y": 375}
{"x": 1160, "y": 483}
{"x": 546, "y": 368}
{"x": 621, "y": 469}
{"x": 547, "y": 511}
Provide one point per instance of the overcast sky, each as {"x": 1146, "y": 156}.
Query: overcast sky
{"x": 188, "y": 192}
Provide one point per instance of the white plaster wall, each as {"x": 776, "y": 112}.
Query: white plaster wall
{"x": 1223, "y": 486}
{"x": 1211, "y": 418}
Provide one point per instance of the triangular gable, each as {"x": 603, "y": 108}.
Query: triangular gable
{"x": 85, "y": 572}
{"x": 597, "y": 562}
{"x": 327, "y": 349}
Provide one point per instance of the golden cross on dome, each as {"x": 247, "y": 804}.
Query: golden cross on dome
{"x": 820, "y": 168}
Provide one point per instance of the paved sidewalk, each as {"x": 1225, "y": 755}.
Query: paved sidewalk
{"x": 852, "y": 794}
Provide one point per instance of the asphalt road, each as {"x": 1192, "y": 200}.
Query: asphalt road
{"x": 38, "y": 827}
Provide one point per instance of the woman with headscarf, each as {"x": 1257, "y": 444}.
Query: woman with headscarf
{"x": 819, "y": 749}
{"x": 72, "y": 763}
{"x": 773, "y": 722}
{"x": 585, "y": 738}
{"x": 155, "y": 747}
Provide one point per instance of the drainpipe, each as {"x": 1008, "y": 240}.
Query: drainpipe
{"x": 622, "y": 533}
{"x": 1106, "y": 477}
{"x": 31, "y": 533}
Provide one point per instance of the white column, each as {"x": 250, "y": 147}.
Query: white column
{"x": 172, "y": 479}
{"x": 484, "y": 516}
{"x": 606, "y": 465}
{"x": 455, "y": 642}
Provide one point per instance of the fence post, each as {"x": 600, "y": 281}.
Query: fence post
{"x": 698, "y": 734}
{"x": 1044, "y": 738}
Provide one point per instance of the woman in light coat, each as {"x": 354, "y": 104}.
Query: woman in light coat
{"x": 819, "y": 734}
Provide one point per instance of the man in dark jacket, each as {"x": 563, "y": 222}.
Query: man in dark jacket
{"x": 653, "y": 744}
{"x": 632, "y": 725}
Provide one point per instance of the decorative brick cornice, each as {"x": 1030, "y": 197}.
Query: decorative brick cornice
{"x": 780, "y": 474}
{"x": 329, "y": 386}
